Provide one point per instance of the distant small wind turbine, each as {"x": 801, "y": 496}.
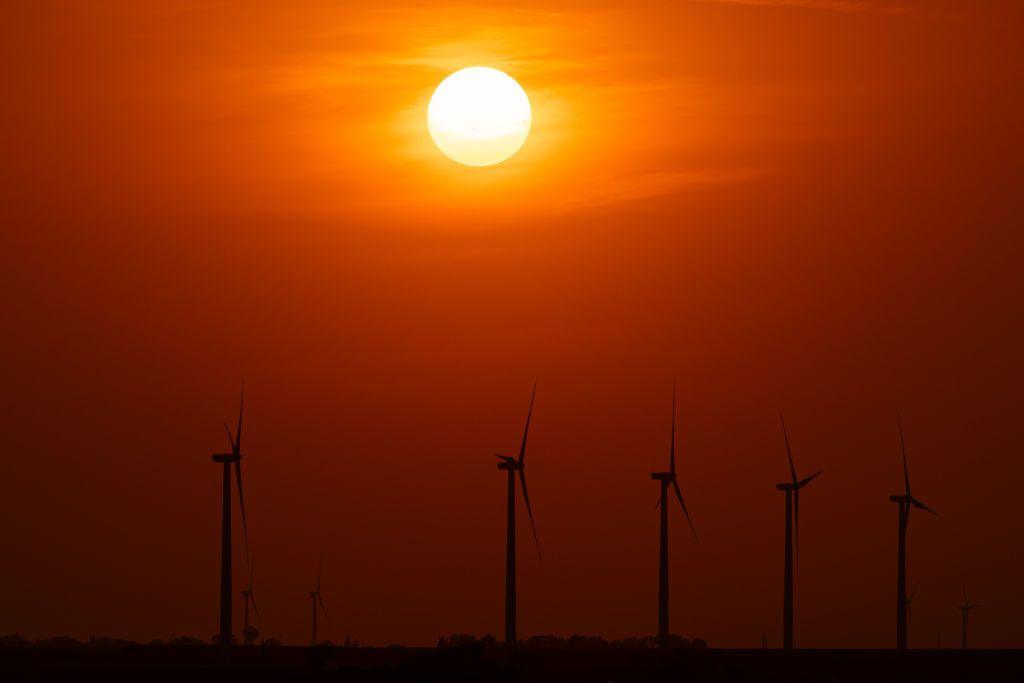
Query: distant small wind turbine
{"x": 792, "y": 489}
{"x": 667, "y": 479}
{"x": 249, "y": 632}
{"x": 226, "y": 459}
{"x": 513, "y": 465}
{"x": 905, "y": 501}
{"x": 965, "y": 609}
{"x": 317, "y": 600}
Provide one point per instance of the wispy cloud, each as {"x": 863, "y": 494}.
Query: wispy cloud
{"x": 657, "y": 184}
{"x": 826, "y": 5}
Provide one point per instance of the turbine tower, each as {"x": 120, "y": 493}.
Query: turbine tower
{"x": 905, "y": 501}
{"x": 317, "y": 600}
{"x": 792, "y": 489}
{"x": 513, "y": 465}
{"x": 249, "y": 632}
{"x": 965, "y": 609}
{"x": 667, "y": 479}
{"x": 227, "y": 459}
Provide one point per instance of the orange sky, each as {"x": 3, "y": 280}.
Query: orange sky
{"x": 807, "y": 206}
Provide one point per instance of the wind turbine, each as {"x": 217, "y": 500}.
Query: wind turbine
{"x": 792, "y": 489}
{"x": 667, "y": 479}
{"x": 513, "y": 465}
{"x": 317, "y": 600}
{"x": 249, "y": 632}
{"x": 226, "y": 459}
{"x": 905, "y": 501}
{"x": 965, "y": 609}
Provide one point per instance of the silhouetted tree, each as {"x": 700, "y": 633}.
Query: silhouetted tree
{"x": 108, "y": 642}
{"x": 185, "y": 640}
{"x": 59, "y": 641}
{"x": 456, "y": 640}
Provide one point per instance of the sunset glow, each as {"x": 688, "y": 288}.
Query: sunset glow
{"x": 390, "y": 219}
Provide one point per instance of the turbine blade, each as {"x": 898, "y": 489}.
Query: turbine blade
{"x": 506, "y": 458}
{"x": 238, "y": 432}
{"x": 526, "y": 431}
{"x": 963, "y": 584}
{"x": 804, "y": 482}
{"x": 903, "y": 450}
{"x": 231, "y": 439}
{"x": 323, "y": 607}
{"x": 241, "y": 502}
{"x": 796, "y": 523}
{"x": 679, "y": 495}
{"x": 672, "y": 447}
{"x": 921, "y": 506}
{"x": 789, "y": 452}
{"x": 906, "y": 542}
{"x": 319, "y": 575}
{"x": 252, "y": 601}
{"x": 529, "y": 511}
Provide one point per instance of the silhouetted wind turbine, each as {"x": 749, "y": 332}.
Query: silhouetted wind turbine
{"x": 965, "y": 609}
{"x": 249, "y": 633}
{"x": 667, "y": 479}
{"x": 905, "y": 501}
{"x": 235, "y": 456}
{"x": 317, "y": 600}
{"x": 513, "y": 465}
{"x": 792, "y": 489}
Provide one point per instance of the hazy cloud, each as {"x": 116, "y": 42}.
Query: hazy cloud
{"x": 828, "y": 5}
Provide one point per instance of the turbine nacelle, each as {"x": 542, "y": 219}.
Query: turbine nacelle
{"x": 226, "y": 457}
{"x": 910, "y": 500}
{"x": 797, "y": 485}
{"x": 509, "y": 463}
{"x": 663, "y": 476}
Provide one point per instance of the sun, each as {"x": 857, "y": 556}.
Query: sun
{"x": 479, "y": 116}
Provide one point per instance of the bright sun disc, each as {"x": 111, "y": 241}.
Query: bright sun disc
{"x": 479, "y": 116}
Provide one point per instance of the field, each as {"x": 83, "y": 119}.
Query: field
{"x": 471, "y": 663}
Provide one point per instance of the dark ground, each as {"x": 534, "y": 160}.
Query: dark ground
{"x": 198, "y": 663}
